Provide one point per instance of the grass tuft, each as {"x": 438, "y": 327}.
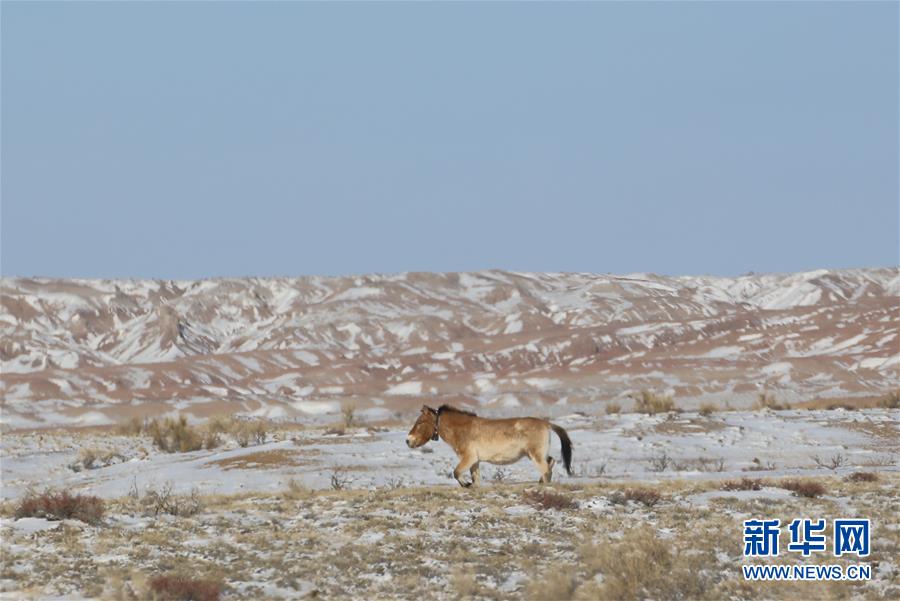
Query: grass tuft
{"x": 174, "y": 435}
{"x": 651, "y": 403}
{"x": 809, "y": 489}
{"x": 742, "y": 484}
{"x": 862, "y": 477}
{"x": 546, "y": 499}
{"x": 767, "y": 400}
{"x": 645, "y": 496}
{"x": 707, "y": 409}
{"x": 176, "y": 587}
{"x": 890, "y": 401}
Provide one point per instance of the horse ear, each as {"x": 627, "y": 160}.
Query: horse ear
{"x": 427, "y": 409}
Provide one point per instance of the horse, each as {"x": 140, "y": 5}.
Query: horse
{"x": 499, "y": 441}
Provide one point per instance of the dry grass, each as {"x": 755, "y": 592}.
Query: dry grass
{"x": 348, "y": 413}
{"x": 645, "y": 496}
{"x": 174, "y": 435}
{"x": 742, "y": 484}
{"x": 544, "y": 499}
{"x": 643, "y": 566}
{"x": 809, "y": 489}
{"x": 613, "y": 408}
{"x": 133, "y": 427}
{"x": 890, "y": 400}
{"x": 448, "y": 542}
{"x": 768, "y": 401}
{"x": 252, "y": 431}
{"x": 53, "y": 505}
{"x": 707, "y": 409}
{"x": 651, "y": 403}
{"x": 90, "y": 458}
{"x": 179, "y": 587}
{"x": 295, "y": 490}
{"x": 862, "y": 477}
{"x": 756, "y": 465}
{"x": 261, "y": 460}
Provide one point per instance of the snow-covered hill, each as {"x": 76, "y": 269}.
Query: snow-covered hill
{"x": 94, "y": 350}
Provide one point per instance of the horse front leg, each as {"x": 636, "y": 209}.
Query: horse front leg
{"x": 467, "y": 461}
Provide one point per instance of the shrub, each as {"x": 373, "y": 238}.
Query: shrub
{"x": 759, "y": 466}
{"x": 90, "y": 458}
{"x": 891, "y": 401}
{"x": 155, "y": 501}
{"x": 175, "y": 435}
{"x": 707, "y": 409}
{"x": 339, "y": 481}
{"x": 546, "y": 499}
{"x": 651, "y": 403}
{"x": 296, "y": 490}
{"x": 247, "y": 432}
{"x": 220, "y": 424}
{"x": 659, "y": 463}
{"x": 742, "y": 484}
{"x": 834, "y": 463}
{"x": 61, "y": 506}
{"x": 643, "y": 565}
{"x": 767, "y": 400}
{"x": 133, "y": 427}
{"x": 175, "y": 587}
{"x": 612, "y": 408}
{"x": 348, "y": 412}
{"x": 803, "y": 488}
{"x": 646, "y": 496}
{"x": 211, "y": 439}
{"x": 709, "y": 464}
{"x": 862, "y": 477}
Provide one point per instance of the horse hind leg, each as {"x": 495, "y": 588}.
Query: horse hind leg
{"x": 550, "y": 463}
{"x": 475, "y": 472}
{"x": 543, "y": 466}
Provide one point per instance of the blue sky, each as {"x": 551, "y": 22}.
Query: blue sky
{"x": 185, "y": 140}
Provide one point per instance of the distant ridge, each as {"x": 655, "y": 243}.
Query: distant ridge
{"x": 295, "y": 346}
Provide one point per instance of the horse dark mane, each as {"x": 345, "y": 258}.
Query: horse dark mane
{"x": 449, "y": 409}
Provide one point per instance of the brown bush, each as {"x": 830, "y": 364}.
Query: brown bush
{"x": 348, "y": 412}
{"x": 651, "y": 403}
{"x": 803, "y": 488}
{"x": 742, "y": 484}
{"x": 175, "y": 435}
{"x": 646, "y": 496}
{"x": 547, "y": 499}
{"x": 62, "y": 506}
{"x": 247, "y": 432}
{"x": 862, "y": 477}
{"x": 767, "y": 400}
{"x": 707, "y": 409}
{"x": 175, "y": 587}
{"x": 155, "y": 501}
{"x": 613, "y": 408}
{"x": 133, "y": 427}
{"x": 891, "y": 401}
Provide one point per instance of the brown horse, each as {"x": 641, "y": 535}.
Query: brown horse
{"x": 476, "y": 439}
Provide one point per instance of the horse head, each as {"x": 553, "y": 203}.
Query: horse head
{"x": 424, "y": 429}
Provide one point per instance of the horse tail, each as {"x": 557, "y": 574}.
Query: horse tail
{"x": 566, "y": 446}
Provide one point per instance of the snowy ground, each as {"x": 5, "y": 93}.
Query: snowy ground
{"x": 625, "y": 446}
{"x": 269, "y": 524}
